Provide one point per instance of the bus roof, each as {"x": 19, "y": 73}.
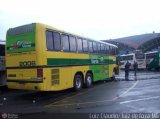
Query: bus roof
{"x": 151, "y": 52}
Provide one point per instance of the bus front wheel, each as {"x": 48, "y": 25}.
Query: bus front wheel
{"x": 88, "y": 80}
{"x": 78, "y": 82}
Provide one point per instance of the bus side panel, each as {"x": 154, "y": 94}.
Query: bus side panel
{"x": 155, "y": 62}
{"x": 65, "y": 66}
{"x": 56, "y": 78}
{"x": 101, "y": 71}
{"x": 112, "y": 65}
{"x": 60, "y": 78}
{"x": 111, "y": 69}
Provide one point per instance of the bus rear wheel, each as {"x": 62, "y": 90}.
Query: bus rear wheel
{"x": 78, "y": 82}
{"x": 88, "y": 80}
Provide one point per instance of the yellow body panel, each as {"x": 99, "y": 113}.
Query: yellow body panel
{"x": 13, "y": 60}
{"x": 22, "y": 74}
{"x": 65, "y": 79}
{"x": 112, "y": 66}
{"x": 26, "y": 86}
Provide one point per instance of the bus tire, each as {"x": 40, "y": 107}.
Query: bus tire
{"x": 113, "y": 78}
{"x": 78, "y": 82}
{"x": 88, "y": 80}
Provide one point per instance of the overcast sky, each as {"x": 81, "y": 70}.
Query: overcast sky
{"x": 97, "y": 19}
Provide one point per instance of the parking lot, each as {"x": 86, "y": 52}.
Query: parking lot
{"x": 140, "y": 94}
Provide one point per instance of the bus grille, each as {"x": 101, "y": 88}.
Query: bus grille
{"x": 55, "y": 76}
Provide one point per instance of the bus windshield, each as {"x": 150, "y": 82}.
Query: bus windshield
{"x": 139, "y": 56}
{"x": 129, "y": 57}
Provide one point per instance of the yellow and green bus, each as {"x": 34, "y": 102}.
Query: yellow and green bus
{"x": 41, "y": 57}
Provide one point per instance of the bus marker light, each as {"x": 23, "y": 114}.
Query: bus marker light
{"x": 40, "y": 74}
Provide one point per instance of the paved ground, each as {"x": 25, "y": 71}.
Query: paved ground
{"x": 140, "y": 95}
{"x": 141, "y": 75}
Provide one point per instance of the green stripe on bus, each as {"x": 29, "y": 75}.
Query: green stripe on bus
{"x": 60, "y": 61}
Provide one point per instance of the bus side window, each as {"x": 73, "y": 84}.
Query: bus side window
{"x": 85, "y": 46}
{"x": 116, "y": 51}
{"x": 57, "y": 42}
{"x": 65, "y": 42}
{"x": 109, "y": 50}
{"x": 90, "y": 46}
{"x": 106, "y": 49}
{"x": 79, "y": 44}
{"x": 112, "y": 51}
{"x": 49, "y": 40}
{"x": 99, "y": 48}
{"x": 102, "y": 49}
{"x": 72, "y": 42}
{"x": 94, "y": 47}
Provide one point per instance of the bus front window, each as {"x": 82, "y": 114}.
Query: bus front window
{"x": 139, "y": 56}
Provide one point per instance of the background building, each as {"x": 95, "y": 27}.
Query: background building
{"x": 144, "y": 42}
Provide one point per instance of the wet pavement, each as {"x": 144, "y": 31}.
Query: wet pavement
{"x": 140, "y": 75}
{"x": 123, "y": 96}
{"x": 140, "y": 95}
